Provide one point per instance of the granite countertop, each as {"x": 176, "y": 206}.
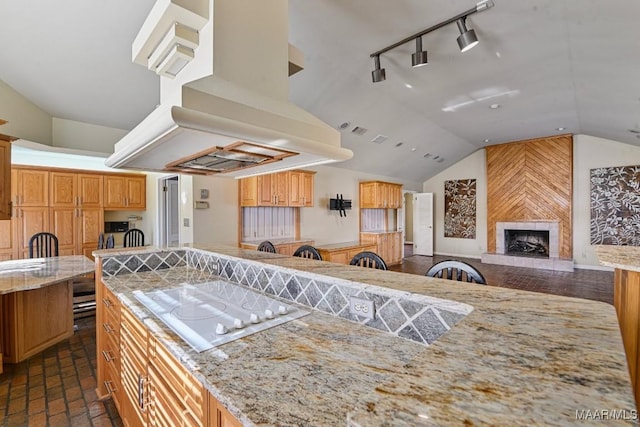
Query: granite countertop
{"x": 343, "y": 245}
{"x": 623, "y": 257}
{"x": 518, "y": 358}
{"x": 282, "y": 241}
{"x": 26, "y": 274}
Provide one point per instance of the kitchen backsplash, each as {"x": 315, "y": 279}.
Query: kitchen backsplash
{"x": 416, "y": 317}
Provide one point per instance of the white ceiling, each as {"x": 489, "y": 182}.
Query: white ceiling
{"x": 548, "y": 64}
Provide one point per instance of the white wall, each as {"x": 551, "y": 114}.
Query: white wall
{"x": 590, "y": 152}
{"x": 24, "y": 119}
{"x": 218, "y": 223}
{"x": 85, "y": 136}
{"x": 471, "y": 167}
{"x": 325, "y": 226}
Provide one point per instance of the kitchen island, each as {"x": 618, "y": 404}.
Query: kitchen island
{"x": 36, "y": 303}
{"x": 505, "y": 357}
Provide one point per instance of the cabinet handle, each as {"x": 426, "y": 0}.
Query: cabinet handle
{"x": 108, "y": 328}
{"x": 107, "y": 356}
{"x": 109, "y": 387}
{"x": 107, "y": 302}
{"x": 141, "y": 386}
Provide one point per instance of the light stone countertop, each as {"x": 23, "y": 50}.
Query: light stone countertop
{"x": 623, "y": 257}
{"x": 519, "y": 358}
{"x": 27, "y": 274}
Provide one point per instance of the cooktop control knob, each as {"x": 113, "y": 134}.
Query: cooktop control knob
{"x": 238, "y": 323}
{"x": 221, "y": 329}
{"x": 253, "y": 318}
{"x": 268, "y": 314}
{"x": 282, "y": 310}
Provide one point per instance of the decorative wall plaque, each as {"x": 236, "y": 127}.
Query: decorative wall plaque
{"x": 460, "y": 208}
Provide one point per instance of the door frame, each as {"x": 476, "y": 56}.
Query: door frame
{"x": 163, "y": 206}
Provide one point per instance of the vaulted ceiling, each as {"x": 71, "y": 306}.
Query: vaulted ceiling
{"x": 543, "y": 66}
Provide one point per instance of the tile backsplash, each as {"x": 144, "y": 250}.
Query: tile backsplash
{"x": 412, "y": 316}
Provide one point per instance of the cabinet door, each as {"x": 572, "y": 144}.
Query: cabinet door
{"x": 29, "y": 221}
{"x": 266, "y": 197}
{"x": 64, "y": 226}
{"x": 7, "y": 247}
{"x": 248, "y": 189}
{"x": 63, "y": 189}
{"x": 368, "y": 195}
{"x": 136, "y": 192}
{"x": 90, "y": 225}
{"x": 90, "y": 188}
{"x": 32, "y": 188}
{"x": 284, "y": 249}
{"x": 5, "y": 175}
{"x": 307, "y": 189}
{"x": 115, "y": 191}
{"x": 219, "y": 416}
{"x": 341, "y": 257}
{"x": 280, "y": 183}
{"x": 296, "y": 188}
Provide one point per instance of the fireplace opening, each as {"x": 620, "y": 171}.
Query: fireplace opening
{"x": 532, "y": 243}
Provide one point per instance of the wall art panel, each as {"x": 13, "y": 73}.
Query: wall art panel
{"x": 460, "y": 208}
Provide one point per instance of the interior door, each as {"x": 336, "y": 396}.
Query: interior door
{"x": 423, "y": 224}
{"x": 173, "y": 214}
{"x": 400, "y": 224}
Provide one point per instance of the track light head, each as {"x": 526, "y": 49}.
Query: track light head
{"x": 419, "y": 58}
{"x": 467, "y": 38}
{"x": 378, "y": 75}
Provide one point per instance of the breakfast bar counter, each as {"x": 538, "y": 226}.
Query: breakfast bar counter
{"x": 438, "y": 352}
{"x": 36, "y": 303}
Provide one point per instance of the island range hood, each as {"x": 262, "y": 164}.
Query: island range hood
{"x": 224, "y": 108}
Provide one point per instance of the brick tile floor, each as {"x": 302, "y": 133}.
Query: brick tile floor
{"x": 57, "y": 387}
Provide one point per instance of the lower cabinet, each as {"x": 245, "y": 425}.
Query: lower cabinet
{"x": 389, "y": 245}
{"x": 148, "y": 384}
{"x": 344, "y": 255}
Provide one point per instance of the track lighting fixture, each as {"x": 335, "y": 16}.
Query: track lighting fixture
{"x": 466, "y": 40}
{"x": 419, "y": 58}
{"x": 378, "y": 74}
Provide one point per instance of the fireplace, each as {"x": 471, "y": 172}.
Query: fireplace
{"x": 532, "y": 243}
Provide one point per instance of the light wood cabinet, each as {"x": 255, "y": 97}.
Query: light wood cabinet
{"x": 5, "y": 176}
{"x": 90, "y": 190}
{"x": 380, "y": 195}
{"x": 345, "y": 255}
{"x": 29, "y": 221}
{"x": 148, "y": 384}
{"x": 292, "y": 188}
{"x": 388, "y": 245}
{"x": 32, "y": 188}
{"x": 35, "y": 320}
{"x": 64, "y": 226}
{"x": 7, "y": 247}
{"x": 63, "y": 188}
{"x": 125, "y": 192}
{"x": 301, "y": 188}
{"x": 133, "y": 369}
{"x": 108, "y": 344}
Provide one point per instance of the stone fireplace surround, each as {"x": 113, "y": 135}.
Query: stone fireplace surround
{"x": 551, "y": 263}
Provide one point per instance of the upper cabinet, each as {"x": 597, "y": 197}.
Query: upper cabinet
{"x": 125, "y": 192}
{"x": 32, "y": 188}
{"x": 292, "y": 188}
{"x": 380, "y": 195}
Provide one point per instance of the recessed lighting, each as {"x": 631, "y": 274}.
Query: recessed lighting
{"x": 344, "y": 125}
{"x": 408, "y": 86}
{"x": 487, "y": 140}
{"x": 426, "y": 156}
{"x": 413, "y": 149}
{"x": 494, "y": 106}
{"x": 399, "y": 144}
{"x": 560, "y": 129}
{"x": 636, "y": 131}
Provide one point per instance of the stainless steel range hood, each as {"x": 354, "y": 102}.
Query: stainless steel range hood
{"x": 224, "y": 67}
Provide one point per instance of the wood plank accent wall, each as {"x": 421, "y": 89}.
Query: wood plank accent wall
{"x": 531, "y": 180}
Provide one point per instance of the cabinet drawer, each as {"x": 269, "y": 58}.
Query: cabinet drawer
{"x": 189, "y": 390}
{"x": 168, "y": 407}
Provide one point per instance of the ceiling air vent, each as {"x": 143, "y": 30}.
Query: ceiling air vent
{"x": 380, "y": 139}
{"x": 359, "y": 130}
